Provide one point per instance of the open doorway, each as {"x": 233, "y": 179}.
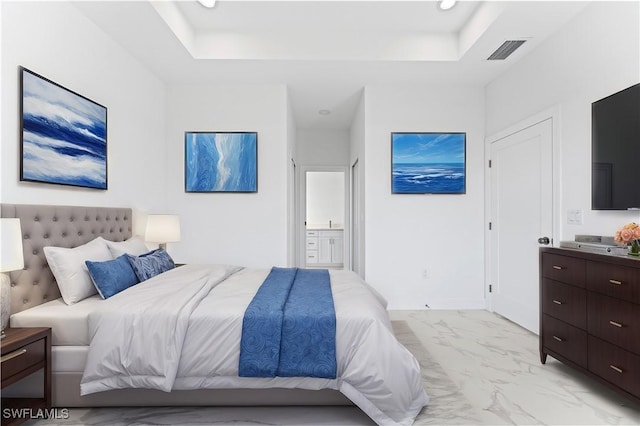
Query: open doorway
{"x": 324, "y": 232}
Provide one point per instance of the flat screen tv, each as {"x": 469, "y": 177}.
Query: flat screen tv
{"x": 615, "y": 151}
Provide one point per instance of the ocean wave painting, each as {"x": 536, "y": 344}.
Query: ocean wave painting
{"x": 64, "y": 135}
{"x": 221, "y": 162}
{"x": 428, "y": 163}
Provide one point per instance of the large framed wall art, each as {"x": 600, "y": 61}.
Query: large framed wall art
{"x": 428, "y": 163}
{"x": 64, "y": 135}
{"x": 221, "y": 162}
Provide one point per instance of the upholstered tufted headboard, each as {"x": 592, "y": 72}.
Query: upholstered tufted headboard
{"x": 60, "y": 226}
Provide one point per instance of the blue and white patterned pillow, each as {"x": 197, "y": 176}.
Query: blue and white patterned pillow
{"x": 151, "y": 264}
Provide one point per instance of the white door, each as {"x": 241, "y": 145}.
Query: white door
{"x": 521, "y": 214}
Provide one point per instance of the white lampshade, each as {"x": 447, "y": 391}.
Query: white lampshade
{"x": 11, "y": 257}
{"x": 162, "y": 228}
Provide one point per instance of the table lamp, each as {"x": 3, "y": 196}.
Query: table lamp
{"x": 11, "y": 259}
{"x": 163, "y": 229}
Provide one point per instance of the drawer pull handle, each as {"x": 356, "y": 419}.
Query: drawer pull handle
{"x": 557, "y": 267}
{"x": 616, "y": 324}
{"x": 13, "y": 355}
{"x": 613, "y": 367}
{"x": 616, "y": 282}
{"x": 559, "y": 339}
{"x": 557, "y": 302}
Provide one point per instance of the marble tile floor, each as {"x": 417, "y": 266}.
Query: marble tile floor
{"x": 478, "y": 369}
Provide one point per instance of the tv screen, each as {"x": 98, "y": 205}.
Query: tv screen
{"x": 615, "y": 151}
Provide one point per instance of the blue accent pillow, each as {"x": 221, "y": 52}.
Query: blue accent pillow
{"x": 112, "y": 276}
{"x": 151, "y": 264}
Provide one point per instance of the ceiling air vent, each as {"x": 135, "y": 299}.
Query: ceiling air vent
{"x": 507, "y": 48}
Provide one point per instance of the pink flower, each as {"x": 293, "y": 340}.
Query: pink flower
{"x": 628, "y": 233}
{"x": 617, "y": 237}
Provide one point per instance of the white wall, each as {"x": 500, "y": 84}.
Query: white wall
{"x": 594, "y": 55}
{"x": 322, "y": 147}
{"x": 55, "y": 40}
{"x": 408, "y": 234}
{"x": 248, "y": 229}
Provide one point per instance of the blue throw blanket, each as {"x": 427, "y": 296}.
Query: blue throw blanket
{"x": 289, "y": 328}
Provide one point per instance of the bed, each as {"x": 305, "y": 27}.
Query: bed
{"x": 377, "y": 374}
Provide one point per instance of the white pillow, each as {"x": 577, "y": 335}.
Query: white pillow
{"x": 134, "y": 246}
{"x": 68, "y": 267}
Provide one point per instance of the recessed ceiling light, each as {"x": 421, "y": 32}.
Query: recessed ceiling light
{"x": 207, "y": 3}
{"x": 447, "y": 4}
{"x": 324, "y": 112}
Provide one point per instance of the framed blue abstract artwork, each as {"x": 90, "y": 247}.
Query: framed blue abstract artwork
{"x": 64, "y": 135}
{"x": 221, "y": 161}
{"x": 428, "y": 163}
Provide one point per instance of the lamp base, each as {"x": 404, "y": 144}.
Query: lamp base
{"x": 5, "y": 300}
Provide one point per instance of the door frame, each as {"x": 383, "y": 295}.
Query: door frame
{"x": 552, "y": 113}
{"x": 355, "y": 215}
{"x": 301, "y": 230}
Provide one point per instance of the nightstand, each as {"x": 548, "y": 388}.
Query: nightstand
{"x": 25, "y": 351}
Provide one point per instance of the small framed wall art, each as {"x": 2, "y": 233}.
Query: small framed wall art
{"x": 64, "y": 135}
{"x": 428, "y": 163}
{"x": 221, "y": 162}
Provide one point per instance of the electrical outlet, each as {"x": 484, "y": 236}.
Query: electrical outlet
{"x": 425, "y": 274}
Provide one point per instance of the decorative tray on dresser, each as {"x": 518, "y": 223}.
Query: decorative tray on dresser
{"x": 590, "y": 315}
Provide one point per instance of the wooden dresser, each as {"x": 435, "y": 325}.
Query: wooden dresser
{"x": 590, "y": 315}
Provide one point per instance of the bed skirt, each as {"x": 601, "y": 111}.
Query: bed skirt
{"x": 66, "y": 394}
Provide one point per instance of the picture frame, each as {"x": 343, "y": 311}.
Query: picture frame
{"x": 221, "y": 162}
{"x": 63, "y": 135}
{"x": 428, "y": 162}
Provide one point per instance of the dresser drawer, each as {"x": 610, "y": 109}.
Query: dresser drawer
{"x": 565, "y": 269}
{"x": 613, "y": 280}
{"x": 565, "y": 302}
{"x": 615, "y": 321}
{"x": 22, "y": 358}
{"x": 312, "y": 244}
{"x": 312, "y": 234}
{"x": 615, "y": 365}
{"x": 312, "y": 256}
{"x": 565, "y": 339}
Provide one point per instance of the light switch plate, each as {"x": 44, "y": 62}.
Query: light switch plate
{"x": 574, "y": 217}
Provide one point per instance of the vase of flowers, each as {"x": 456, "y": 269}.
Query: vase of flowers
{"x": 629, "y": 235}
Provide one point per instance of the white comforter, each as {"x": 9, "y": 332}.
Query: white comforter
{"x": 181, "y": 330}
